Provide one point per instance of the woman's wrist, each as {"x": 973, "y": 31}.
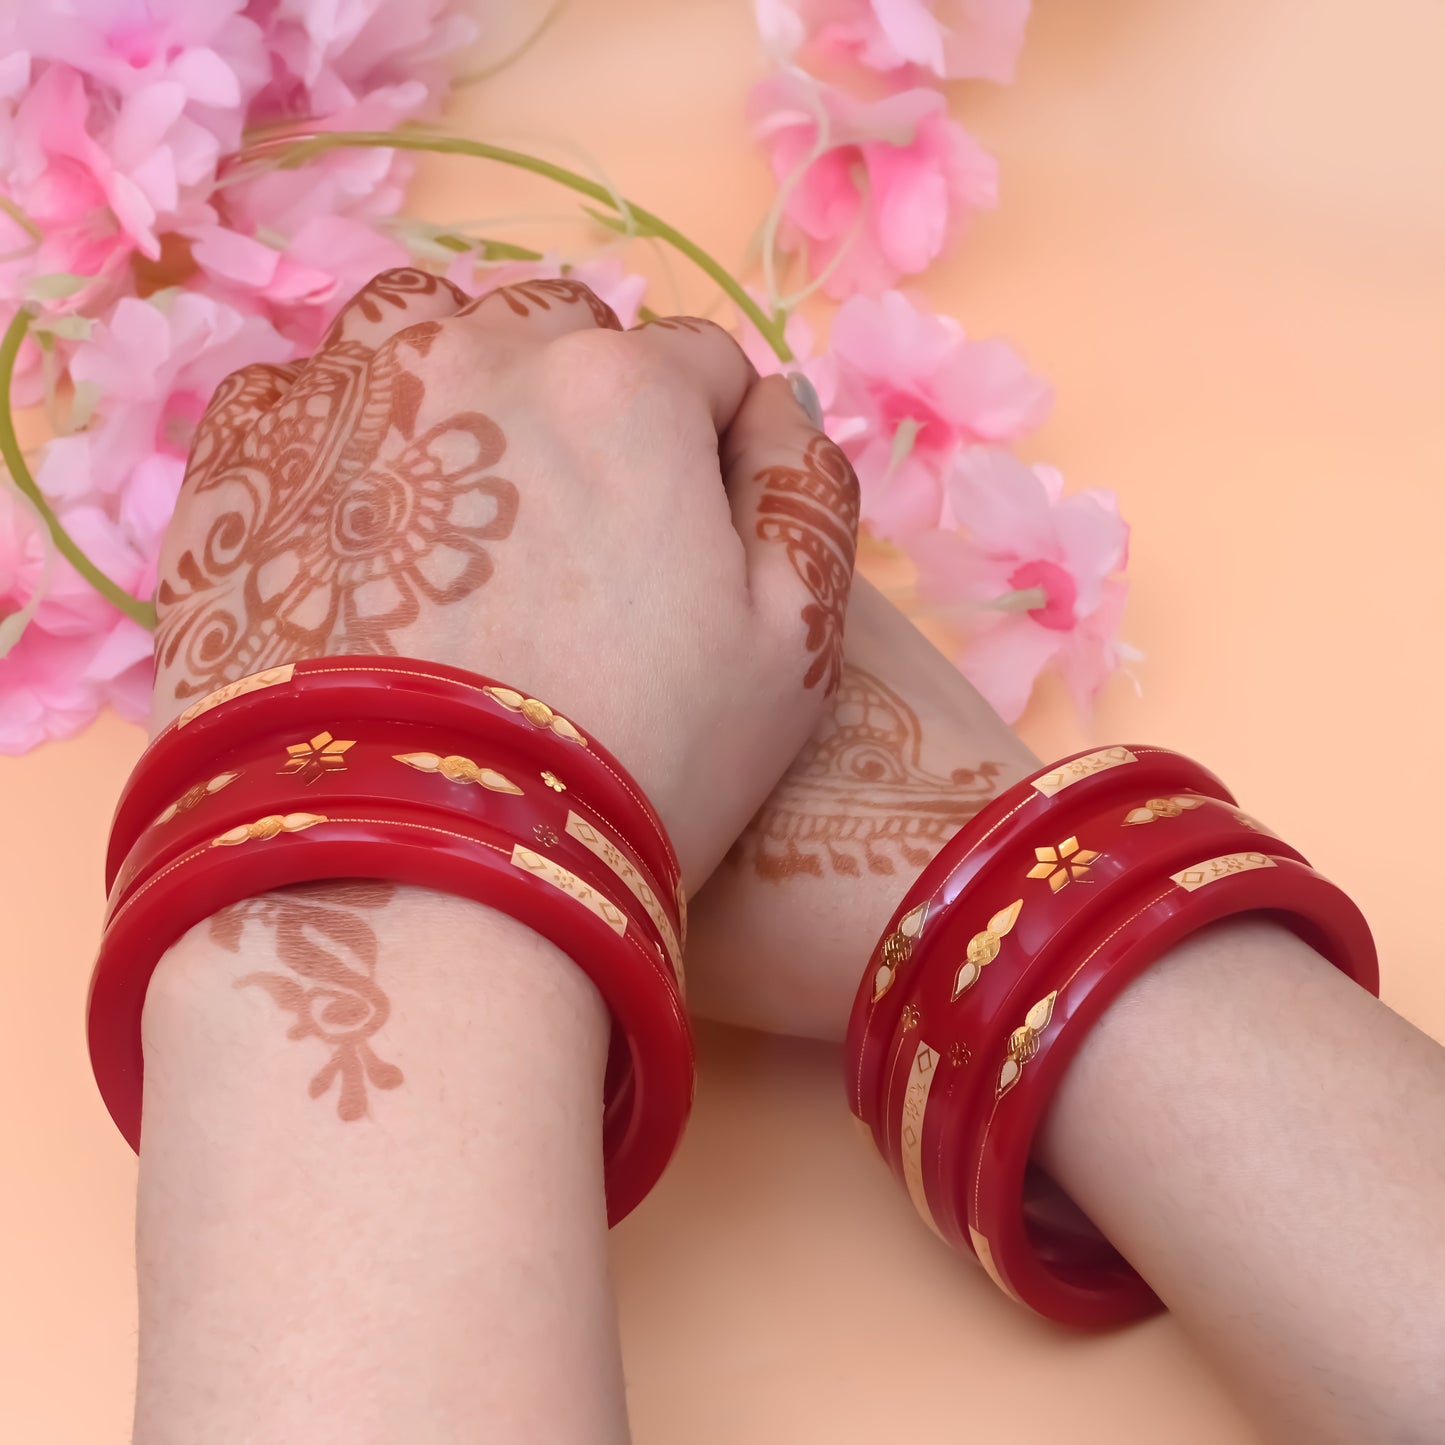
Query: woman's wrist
{"x": 372, "y": 1122}
{"x": 1244, "y": 1124}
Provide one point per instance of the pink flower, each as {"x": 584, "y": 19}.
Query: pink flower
{"x": 952, "y": 39}
{"x": 100, "y": 177}
{"x": 297, "y": 282}
{"x": 155, "y": 364}
{"x": 1034, "y": 578}
{"x": 895, "y": 179}
{"x": 622, "y": 290}
{"x": 325, "y": 57}
{"x": 207, "y": 47}
{"x": 77, "y": 654}
{"x": 915, "y": 390}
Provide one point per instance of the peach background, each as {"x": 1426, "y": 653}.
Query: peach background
{"x": 1221, "y": 237}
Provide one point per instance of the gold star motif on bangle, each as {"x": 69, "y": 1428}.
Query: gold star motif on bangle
{"x": 1068, "y": 863}
{"x": 322, "y": 754}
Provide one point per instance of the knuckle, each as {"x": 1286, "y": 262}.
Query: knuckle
{"x": 594, "y": 372}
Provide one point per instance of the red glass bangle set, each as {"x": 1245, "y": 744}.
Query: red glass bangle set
{"x": 1010, "y": 945}
{"x": 416, "y": 773}
{"x": 1008, "y": 948}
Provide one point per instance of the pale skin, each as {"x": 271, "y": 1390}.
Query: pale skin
{"x": 1259, "y": 1137}
{"x": 1229, "y": 1124}
{"x": 371, "y": 1203}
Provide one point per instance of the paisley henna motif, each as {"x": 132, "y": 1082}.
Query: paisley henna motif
{"x": 813, "y": 511}
{"x": 858, "y": 798}
{"x": 334, "y": 520}
{"x": 329, "y": 949}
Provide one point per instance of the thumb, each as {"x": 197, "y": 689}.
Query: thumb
{"x": 794, "y": 501}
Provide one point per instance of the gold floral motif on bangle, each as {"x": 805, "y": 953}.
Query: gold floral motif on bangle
{"x": 1157, "y": 808}
{"x": 570, "y": 884}
{"x": 960, "y": 1055}
{"x": 536, "y": 712}
{"x": 553, "y": 781}
{"x": 1245, "y": 820}
{"x": 897, "y": 949}
{"x": 271, "y": 677}
{"x": 1054, "y": 783}
{"x": 268, "y": 827}
{"x": 457, "y": 769}
{"x": 606, "y": 850}
{"x": 1201, "y": 875}
{"x": 1023, "y": 1043}
{"x": 1065, "y": 864}
{"x": 194, "y": 795}
{"x": 316, "y": 757}
{"x": 910, "y": 1129}
{"x": 984, "y": 947}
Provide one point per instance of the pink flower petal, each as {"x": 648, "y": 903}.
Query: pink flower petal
{"x": 1004, "y": 661}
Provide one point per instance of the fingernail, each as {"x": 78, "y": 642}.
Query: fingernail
{"x": 807, "y": 398}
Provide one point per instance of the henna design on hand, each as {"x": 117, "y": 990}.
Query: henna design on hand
{"x": 858, "y": 798}
{"x": 813, "y": 511}
{"x": 397, "y": 288}
{"x": 328, "y": 944}
{"x": 697, "y": 325}
{"x": 336, "y": 521}
{"x": 522, "y": 296}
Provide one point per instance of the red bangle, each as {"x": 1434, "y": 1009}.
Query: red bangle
{"x": 1064, "y": 792}
{"x": 1035, "y": 1270}
{"x": 969, "y": 1011}
{"x": 379, "y": 763}
{"x": 1009, "y": 946}
{"x": 309, "y": 696}
{"x": 426, "y": 776}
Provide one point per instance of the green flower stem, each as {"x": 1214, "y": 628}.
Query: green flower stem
{"x": 133, "y": 607}
{"x": 635, "y": 220}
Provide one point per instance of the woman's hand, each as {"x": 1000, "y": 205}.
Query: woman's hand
{"x": 905, "y": 754}
{"x": 628, "y": 525}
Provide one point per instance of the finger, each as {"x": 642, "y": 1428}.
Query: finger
{"x": 794, "y": 501}
{"x": 390, "y": 302}
{"x": 707, "y": 356}
{"x": 535, "y": 312}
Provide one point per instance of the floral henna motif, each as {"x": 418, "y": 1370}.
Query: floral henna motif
{"x": 334, "y": 519}
{"x": 813, "y": 511}
{"x": 858, "y": 798}
{"x": 329, "y": 948}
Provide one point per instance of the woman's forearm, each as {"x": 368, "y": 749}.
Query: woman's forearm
{"x": 371, "y": 1202}
{"x": 1261, "y": 1139}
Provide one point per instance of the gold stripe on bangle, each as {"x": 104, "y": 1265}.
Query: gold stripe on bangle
{"x": 570, "y": 884}
{"x": 984, "y": 1251}
{"x": 271, "y": 677}
{"x": 601, "y": 846}
{"x": 1054, "y": 783}
{"x": 910, "y": 1131}
{"x": 1201, "y": 875}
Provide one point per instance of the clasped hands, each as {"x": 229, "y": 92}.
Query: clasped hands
{"x": 634, "y": 526}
